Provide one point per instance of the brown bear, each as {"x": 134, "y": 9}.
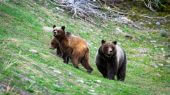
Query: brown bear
{"x": 74, "y": 47}
{"x": 111, "y": 60}
{"x": 55, "y": 45}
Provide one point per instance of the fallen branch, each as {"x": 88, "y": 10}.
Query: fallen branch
{"x": 155, "y": 17}
{"x": 145, "y": 16}
{"x": 89, "y": 11}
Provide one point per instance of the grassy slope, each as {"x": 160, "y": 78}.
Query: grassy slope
{"x": 22, "y": 72}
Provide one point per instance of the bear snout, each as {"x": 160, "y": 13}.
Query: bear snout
{"x": 110, "y": 51}
{"x": 55, "y": 33}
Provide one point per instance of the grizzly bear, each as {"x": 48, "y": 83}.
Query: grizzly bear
{"x": 73, "y": 47}
{"x": 55, "y": 45}
{"x": 111, "y": 60}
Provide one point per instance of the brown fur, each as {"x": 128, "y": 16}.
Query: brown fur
{"x": 74, "y": 47}
{"x": 55, "y": 45}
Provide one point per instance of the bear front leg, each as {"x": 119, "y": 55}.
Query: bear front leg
{"x": 112, "y": 70}
{"x": 59, "y": 52}
{"x": 111, "y": 74}
{"x": 66, "y": 55}
{"x": 103, "y": 70}
{"x": 65, "y": 58}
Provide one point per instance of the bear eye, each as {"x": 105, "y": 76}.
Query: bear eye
{"x": 113, "y": 48}
{"x": 106, "y": 48}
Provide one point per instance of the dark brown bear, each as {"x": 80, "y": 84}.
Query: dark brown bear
{"x": 74, "y": 47}
{"x": 111, "y": 60}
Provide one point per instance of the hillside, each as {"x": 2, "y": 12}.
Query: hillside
{"x": 29, "y": 67}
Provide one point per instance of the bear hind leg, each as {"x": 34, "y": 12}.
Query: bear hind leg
{"x": 86, "y": 65}
{"x": 75, "y": 62}
{"x": 85, "y": 62}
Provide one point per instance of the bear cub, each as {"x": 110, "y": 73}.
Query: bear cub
{"x": 111, "y": 60}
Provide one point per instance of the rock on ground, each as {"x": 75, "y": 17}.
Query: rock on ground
{"x": 33, "y": 51}
{"x": 47, "y": 29}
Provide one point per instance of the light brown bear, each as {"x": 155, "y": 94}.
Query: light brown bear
{"x": 73, "y": 47}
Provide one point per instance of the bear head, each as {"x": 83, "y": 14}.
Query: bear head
{"x": 58, "y": 32}
{"x": 54, "y": 43}
{"x": 108, "y": 48}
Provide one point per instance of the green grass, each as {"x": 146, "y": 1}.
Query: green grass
{"x": 42, "y": 73}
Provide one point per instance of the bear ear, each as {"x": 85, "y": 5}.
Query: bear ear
{"x": 103, "y": 41}
{"x": 54, "y": 26}
{"x": 63, "y": 28}
{"x": 114, "y": 42}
